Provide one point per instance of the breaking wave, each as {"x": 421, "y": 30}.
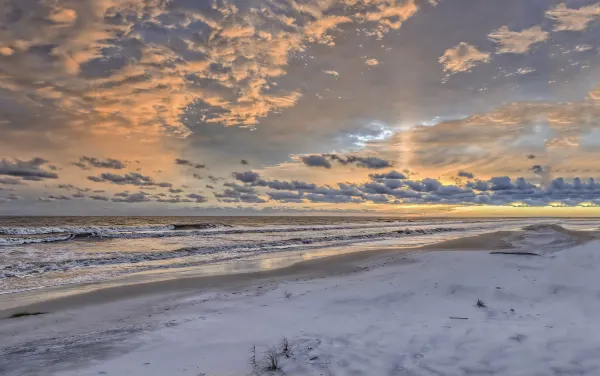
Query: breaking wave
{"x": 102, "y": 229}
{"x": 28, "y": 235}
{"x": 22, "y": 269}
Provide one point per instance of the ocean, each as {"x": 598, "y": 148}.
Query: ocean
{"x": 46, "y": 252}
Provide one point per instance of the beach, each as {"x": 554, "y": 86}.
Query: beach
{"x": 376, "y": 312}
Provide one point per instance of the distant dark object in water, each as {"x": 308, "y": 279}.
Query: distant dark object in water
{"x": 197, "y": 226}
{"x": 24, "y": 313}
{"x": 515, "y": 253}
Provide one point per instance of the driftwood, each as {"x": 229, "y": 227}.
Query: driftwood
{"x": 515, "y": 253}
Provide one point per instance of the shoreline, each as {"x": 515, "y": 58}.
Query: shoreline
{"x": 316, "y": 268}
{"x": 319, "y": 267}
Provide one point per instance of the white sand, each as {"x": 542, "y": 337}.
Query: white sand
{"x": 392, "y": 317}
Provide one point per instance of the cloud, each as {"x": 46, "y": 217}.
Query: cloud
{"x": 95, "y": 179}
{"x": 316, "y": 161}
{"x": 583, "y": 47}
{"x": 462, "y": 57}
{"x": 139, "y": 67}
{"x": 497, "y": 191}
{"x": 365, "y": 162}
{"x": 29, "y": 170}
{"x": 389, "y": 175}
{"x": 465, "y": 174}
{"x": 70, "y": 187}
{"x": 517, "y": 42}
{"x": 197, "y": 197}
{"x": 174, "y": 200}
{"x": 573, "y": 19}
{"x": 54, "y": 198}
{"x": 99, "y": 198}
{"x": 246, "y": 177}
{"x": 240, "y": 188}
{"x": 525, "y": 70}
{"x": 131, "y": 178}
{"x": 185, "y": 162}
{"x": 235, "y": 195}
{"x": 331, "y": 198}
{"x": 10, "y": 181}
{"x": 10, "y": 197}
{"x": 286, "y": 196}
{"x": 132, "y": 198}
{"x": 86, "y": 163}
{"x": 323, "y": 160}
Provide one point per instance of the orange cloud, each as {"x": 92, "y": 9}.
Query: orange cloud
{"x": 517, "y": 42}
{"x": 571, "y": 19}
{"x": 462, "y": 57}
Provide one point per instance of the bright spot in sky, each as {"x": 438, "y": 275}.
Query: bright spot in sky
{"x": 439, "y": 119}
{"x": 375, "y": 131}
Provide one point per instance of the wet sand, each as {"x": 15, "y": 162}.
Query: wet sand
{"x": 317, "y": 268}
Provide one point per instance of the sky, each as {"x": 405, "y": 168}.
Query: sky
{"x": 363, "y": 107}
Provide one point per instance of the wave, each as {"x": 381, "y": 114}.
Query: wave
{"x": 252, "y": 248}
{"x": 27, "y": 235}
{"x": 56, "y": 234}
{"x": 80, "y": 229}
{"x": 4, "y": 241}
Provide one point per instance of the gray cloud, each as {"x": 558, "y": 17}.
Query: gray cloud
{"x": 238, "y": 193}
{"x": 176, "y": 200}
{"x": 254, "y": 179}
{"x": 389, "y": 175}
{"x": 365, "y": 162}
{"x": 246, "y": 177}
{"x": 10, "y": 181}
{"x": 86, "y": 163}
{"x": 133, "y": 198}
{"x": 185, "y": 162}
{"x": 465, "y": 174}
{"x": 28, "y": 170}
{"x": 71, "y": 187}
{"x": 316, "y": 161}
{"x": 55, "y": 198}
{"x": 131, "y": 178}
{"x": 394, "y": 188}
{"x": 99, "y": 198}
{"x": 240, "y": 188}
{"x": 197, "y": 197}
{"x": 286, "y": 196}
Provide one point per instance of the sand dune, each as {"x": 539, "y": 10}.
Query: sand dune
{"x": 534, "y": 236}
